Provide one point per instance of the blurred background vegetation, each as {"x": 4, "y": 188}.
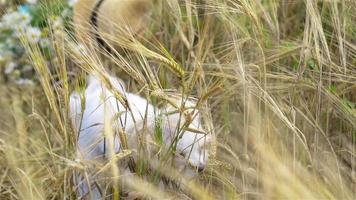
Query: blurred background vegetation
{"x": 277, "y": 77}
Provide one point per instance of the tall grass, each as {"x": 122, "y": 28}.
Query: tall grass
{"x": 276, "y": 86}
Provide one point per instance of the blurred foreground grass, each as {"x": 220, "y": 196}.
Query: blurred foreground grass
{"x": 278, "y": 84}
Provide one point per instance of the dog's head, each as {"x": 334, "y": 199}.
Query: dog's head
{"x": 195, "y": 148}
{"x": 110, "y": 22}
{"x": 183, "y": 127}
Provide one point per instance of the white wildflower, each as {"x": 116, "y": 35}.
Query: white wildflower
{"x": 33, "y": 34}
{"x": 44, "y": 42}
{"x": 16, "y": 20}
{"x": 9, "y": 68}
{"x": 23, "y": 81}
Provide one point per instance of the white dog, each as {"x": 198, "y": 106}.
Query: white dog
{"x": 100, "y": 106}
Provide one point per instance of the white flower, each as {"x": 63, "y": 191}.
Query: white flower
{"x": 16, "y": 20}
{"x": 33, "y": 34}
{"x": 44, "y": 42}
{"x": 23, "y": 81}
{"x": 9, "y": 68}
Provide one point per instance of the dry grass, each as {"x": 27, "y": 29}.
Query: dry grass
{"x": 275, "y": 82}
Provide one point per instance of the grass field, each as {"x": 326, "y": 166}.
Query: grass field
{"x": 276, "y": 83}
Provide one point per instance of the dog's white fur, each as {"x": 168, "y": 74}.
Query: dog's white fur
{"x": 101, "y": 106}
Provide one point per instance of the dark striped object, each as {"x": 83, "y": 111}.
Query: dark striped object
{"x": 94, "y": 24}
